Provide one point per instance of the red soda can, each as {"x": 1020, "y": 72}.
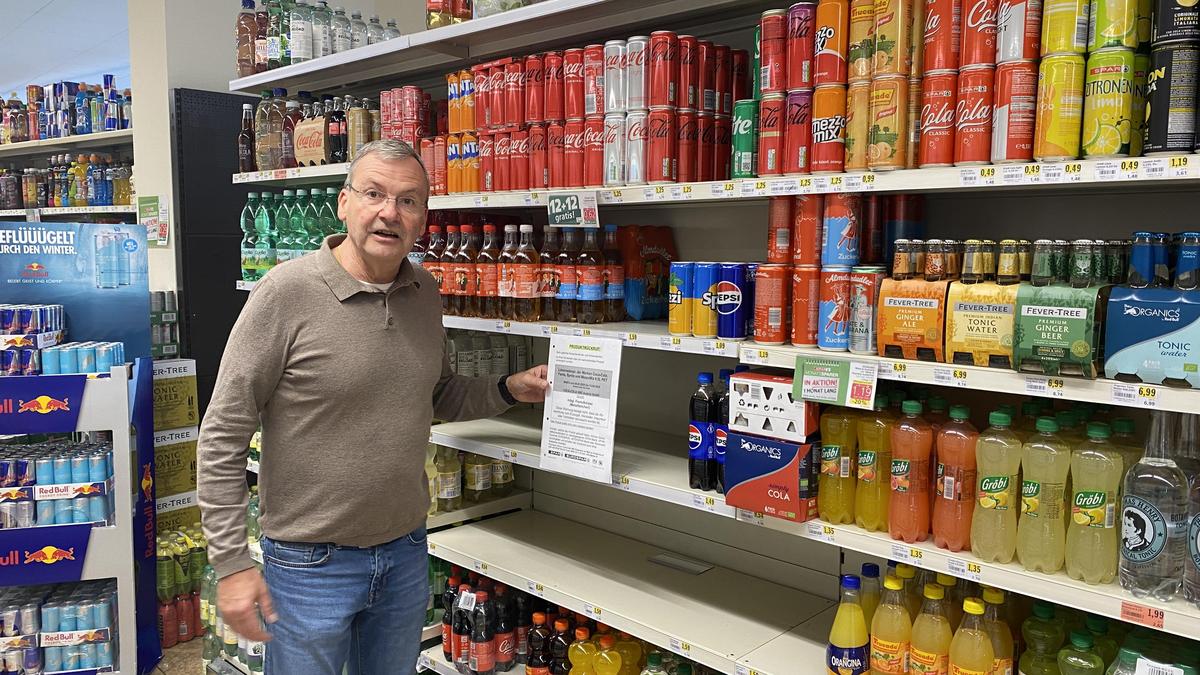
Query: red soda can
{"x": 773, "y": 51}
{"x": 573, "y": 153}
{"x": 979, "y": 33}
{"x": 635, "y": 147}
{"x": 496, "y": 95}
{"x": 687, "y": 133}
{"x": 723, "y": 79}
{"x": 772, "y": 303}
{"x": 973, "y": 116}
{"x": 831, "y": 39}
{"x": 1014, "y": 112}
{"x": 706, "y": 56}
{"x": 410, "y": 131}
{"x": 441, "y": 117}
{"x": 410, "y": 103}
{"x": 483, "y": 96}
{"x": 1018, "y": 30}
{"x": 385, "y": 106}
{"x": 556, "y": 154}
{"x": 614, "y": 77}
{"x": 664, "y": 69}
{"x": 661, "y": 138}
{"x": 514, "y": 93}
{"x": 614, "y": 149}
{"x": 939, "y": 92}
{"x": 637, "y": 82}
{"x": 535, "y": 89}
{"x": 808, "y": 227}
{"x": 593, "y": 80}
{"x": 806, "y": 296}
{"x": 518, "y": 159}
{"x": 871, "y": 246}
{"x": 573, "y": 84}
{"x": 943, "y": 35}
{"x": 502, "y": 149}
{"x": 429, "y": 162}
{"x": 539, "y": 168}
{"x": 779, "y": 229}
{"x": 706, "y": 139}
{"x": 741, "y": 73}
{"x": 722, "y": 146}
{"x": 797, "y": 132}
{"x": 801, "y": 18}
{"x": 487, "y": 160}
{"x": 552, "y": 65}
{"x": 770, "y": 134}
{"x": 440, "y": 170}
{"x": 593, "y": 151}
{"x": 827, "y": 153}
{"x": 689, "y": 73}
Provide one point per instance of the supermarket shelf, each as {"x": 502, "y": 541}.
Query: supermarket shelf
{"x": 1102, "y": 391}
{"x": 641, "y": 589}
{"x": 645, "y": 464}
{"x": 51, "y": 145}
{"x": 304, "y": 175}
{"x": 245, "y": 285}
{"x": 86, "y": 210}
{"x": 519, "y": 31}
{"x": 433, "y": 630}
{"x": 520, "y": 500}
{"x": 432, "y": 659}
{"x": 638, "y": 334}
{"x": 17, "y": 213}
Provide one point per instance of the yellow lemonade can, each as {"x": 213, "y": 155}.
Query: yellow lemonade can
{"x": 1059, "y": 108}
{"x": 1108, "y": 103}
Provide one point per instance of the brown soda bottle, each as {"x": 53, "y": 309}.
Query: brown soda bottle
{"x": 465, "y": 293}
{"x": 589, "y": 275}
{"x": 449, "y": 257}
{"x": 246, "y": 140}
{"x": 564, "y": 266}
{"x": 487, "y": 275}
{"x": 526, "y": 263}
{"x": 506, "y": 274}
{"x": 548, "y": 275}
{"x": 614, "y": 276}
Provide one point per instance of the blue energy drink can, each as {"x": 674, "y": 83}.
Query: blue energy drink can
{"x": 8, "y": 320}
{"x": 50, "y": 361}
{"x": 104, "y": 654}
{"x": 87, "y": 358}
{"x": 24, "y": 468}
{"x": 732, "y": 301}
{"x": 49, "y": 617}
{"x": 43, "y": 471}
{"x": 97, "y": 467}
{"x": 105, "y": 354}
{"x": 68, "y": 359}
{"x": 97, "y": 508}
{"x": 31, "y": 362}
{"x": 10, "y": 362}
{"x": 79, "y": 469}
{"x": 62, "y": 469}
{"x": 64, "y": 515}
{"x": 81, "y": 512}
{"x": 45, "y": 513}
{"x": 704, "y": 304}
{"x": 8, "y": 476}
{"x": 52, "y": 659}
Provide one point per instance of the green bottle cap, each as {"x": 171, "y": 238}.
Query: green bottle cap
{"x": 654, "y": 660}
{"x": 1066, "y": 418}
{"x": 1098, "y": 430}
{"x": 1047, "y": 425}
{"x": 1123, "y": 425}
{"x": 1097, "y": 625}
{"x": 896, "y": 397}
{"x": 1031, "y": 408}
{"x": 1081, "y": 640}
{"x": 999, "y": 418}
{"x": 911, "y": 407}
{"x": 1043, "y": 609}
{"x": 937, "y": 403}
{"x": 959, "y": 412}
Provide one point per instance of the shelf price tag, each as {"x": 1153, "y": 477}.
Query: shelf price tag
{"x": 856, "y": 182}
{"x": 1013, "y": 174}
{"x": 722, "y": 190}
{"x": 532, "y": 198}
{"x": 573, "y": 209}
{"x": 622, "y": 483}
{"x": 1165, "y": 167}
{"x": 1141, "y": 615}
{"x": 1140, "y": 395}
{"x": 964, "y": 569}
{"x": 752, "y": 517}
{"x": 480, "y": 566}
{"x": 680, "y": 647}
{"x": 671, "y": 343}
{"x": 908, "y": 554}
{"x": 821, "y": 184}
{"x": 950, "y": 377}
{"x": 897, "y": 370}
{"x": 1107, "y": 170}
{"x": 480, "y": 201}
{"x": 782, "y": 186}
{"x": 593, "y": 612}
{"x": 744, "y": 670}
{"x": 1052, "y": 387}
{"x": 1130, "y": 169}
{"x": 805, "y": 185}
{"x": 755, "y": 356}
{"x": 423, "y": 662}
{"x": 754, "y": 188}
{"x": 977, "y": 177}
{"x": 821, "y": 532}
{"x": 706, "y": 503}
{"x": 835, "y": 381}
{"x": 509, "y": 455}
{"x": 837, "y": 183}
{"x": 630, "y": 339}
{"x": 536, "y": 589}
{"x": 717, "y": 348}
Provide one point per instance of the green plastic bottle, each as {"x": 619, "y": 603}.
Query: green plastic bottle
{"x": 1125, "y": 664}
{"x": 1080, "y": 657}
{"x": 1106, "y": 646}
{"x": 250, "y": 270}
{"x": 285, "y": 247}
{"x": 268, "y": 235}
{"x": 1044, "y": 636}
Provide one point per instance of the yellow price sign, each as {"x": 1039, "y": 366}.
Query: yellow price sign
{"x": 616, "y": 194}
{"x": 675, "y": 341}
{"x": 898, "y": 367}
{"x": 729, "y": 187}
{"x": 1055, "y": 383}
{"x": 763, "y": 354}
{"x": 916, "y": 553}
{"x": 507, "y": 325}
{"x": 1129, "y": 165}
{"x": 1179, "y": 162}
{"x": 1073, "y": 167}
{"x": 960, "y": 374}
{"x": 631, "y": 337}
{"x": 658, "y": 190}
{"x": 553, "y": 329}
{"x": 987, "y": 172}
{"x": 805, "y": 183}
{"x": 719, "y": 345}
{"x": 1033, "y": 169}
{"x": 709, "y": 501}
{"x": 974, "y": 567}
{"x": 760, "y": 185}
{"x": 687, "y": 189}
{"x": 587, "y": 332}
{"x": 835, "y": 180}
{"x": 868, "y": 178}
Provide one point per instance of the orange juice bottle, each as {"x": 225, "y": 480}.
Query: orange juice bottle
{"x": 908, "y": 510}
{"x": 839, "y": 449}
{"x": 929, "y": 653}
{"x": 955, "y": 500}
{"x": 872, "y": 494}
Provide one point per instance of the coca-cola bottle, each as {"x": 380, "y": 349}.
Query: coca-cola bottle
{"x": 482, "y": 651}
{"x": 448, "y": 597}
{"x": 521, "y": 632}
{"x": 465, "y": 292}
{"x": 547, "y": 285}
{"x": 539, "y": 647}
{"x": 449, "y": 256}
{"x": 487, "y": 275}
{"x": 506, "y": 651}
{"x": 560, "y": 642}
{"x": 461, "y": 631}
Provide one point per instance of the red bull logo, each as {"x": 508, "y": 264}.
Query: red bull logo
{"x": 35, "y": 267}
{"x": 48, "y": 555}
{"x": 18, "y": 341}
{"x": 35, "y": 270}
{"x": 13, "y": 494}
{"x": 43, "y": 405}
{"x": 147, "y": 482}
{"x": 88, "y": 489}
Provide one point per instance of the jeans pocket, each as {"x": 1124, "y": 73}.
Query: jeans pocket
{"x": 417, "y": 537}
{"x": 296, "y": 555}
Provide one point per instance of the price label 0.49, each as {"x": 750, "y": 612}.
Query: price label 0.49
{"x": 573, "y": 209}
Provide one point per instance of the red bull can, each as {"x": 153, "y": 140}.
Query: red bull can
{"x": 839, "y": 246}
{"x": 25, "y": 513}
{"x": 704, "y": 302}
{"x": 8, "y": 320}
{"x": 833, "y": 318}
{"x": 735, "y": 316}
{"x": 31, "y": 362}
{"x": 24, "y": 468}
{"x": 8, "y": 477}
{"x": 10, "y": 362}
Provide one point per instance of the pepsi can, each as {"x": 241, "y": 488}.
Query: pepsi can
{"x": 731, "y": 301}
{"x": 681, "y": 296}
{"x": 704, "y": 307}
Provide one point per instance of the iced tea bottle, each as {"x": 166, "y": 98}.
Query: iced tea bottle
{"x": 449, "y": 258}
{"x": 931, "y": 635}
{"x": 912, "y": 441}
{"x": 526, "y": 263}
{"x": 589, "y": 275}
{"x": 466, "y": 294}
{"x": 955, "y": 495}
{"x": 506, "y": 281}
{"x": 614, "y": 276}
{"x": 839, "y": 450}
{"x": 1041, "y": 532}
{"x": 568, "y": 283}
{"x": 477, "y": 472}
{"x": 487, "y": 275}
{"x": 873, "y": 492}
{"x": 432, "y": 261}
{"x": 998, "y": 463}
{"x": 548, "y": 281}
{"x": 449, "y": 480}
{"x": 1096, "y": 468}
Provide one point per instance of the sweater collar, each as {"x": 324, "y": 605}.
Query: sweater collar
{"x": 339, "y": 280}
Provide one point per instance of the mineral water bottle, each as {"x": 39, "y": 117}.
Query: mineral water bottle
{"x": 1041, "y": 532}
{"x": 1092, "y": 532}
{"x": 971, "y": 648}
{"x": 998, "y": 462}
{"x": 1154, "y": 516}
{"x": 869, "y": 596}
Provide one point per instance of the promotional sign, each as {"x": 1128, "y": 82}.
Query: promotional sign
{"x": 97, "y": 272}
{"x": 581, "y": 409}
{"x": 573, "y": 209}
{"x": 40, "y": 405}
{"x": 43, "y": 555}
{"x": 835, "y": 381}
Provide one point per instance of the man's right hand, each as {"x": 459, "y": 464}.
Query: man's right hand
{"x": 241, "y": 596}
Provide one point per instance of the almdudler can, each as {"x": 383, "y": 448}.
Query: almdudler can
{"x": 833, "y": 318}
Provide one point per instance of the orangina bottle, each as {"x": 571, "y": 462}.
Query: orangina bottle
{"x": 839, "y": 448}
{"x": 849, "y": 643}
{"x": 1041, "y": 532}
{"x": 891, "y": 630}
{"x": 873, "y": 492}
{"x": 931, "y": 636}
{"x": 955, "y": 499}
{"x": 971, "y": 650}
{"x": 998, "y": 463}
{"x": 908, "y": 510}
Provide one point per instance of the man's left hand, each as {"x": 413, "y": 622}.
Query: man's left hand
{"x": 529, "y": 386}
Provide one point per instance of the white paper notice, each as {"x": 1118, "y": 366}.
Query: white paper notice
{"x": 581, "y": 409}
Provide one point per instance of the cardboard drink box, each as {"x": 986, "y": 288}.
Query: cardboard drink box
{"x": 979, "y": 324}
{"x": 1152, "y": 335}
{"x": 762, "y": 403}
{"x": 1059, "y": 330}
{"x": 911, "y": 319}
{"x": 773, "y": 477}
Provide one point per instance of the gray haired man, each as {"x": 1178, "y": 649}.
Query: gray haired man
{"x": 340, "y": 355}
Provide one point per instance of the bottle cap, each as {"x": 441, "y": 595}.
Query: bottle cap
{"x": 481, "y": 596}
{"x": 893, "y": 583}
{"x": 911, "y": 407}
{"x": 960, "y": 412}
{"x": 1096, "y": 625}
{"x": 606, "y": 641}
{"x": 654, "y": 660}
{"x": 539, "y": 617}
{"x": 527, "y": 228}
{"x": 704, "y": 378}
{"x": 581, "y": 633}
{"x": 560, "y": 625}
{"x": 725, "y": 374}
{"x": 896, "y": 397}
{"x": 1123, "y": 425}
{"x": 1066, "y": 418}
{"x": 453, "y": 582}
{"x": 1081, "y": 640}
{"x": 999, "y": 418}
{"x": 1047, "y": 425}
{"x": 1098, "y": 430}
{"x": 1043, "y": 609}
{"x": 973, "y": 606}
{"x": 946, "y": 580}
{"x": 683, "y": 669}
{"x": 851, "y": 582}
{"x": 934, "y": 591}
{"x": 1008, "y": 408}
{"x": 905, "y": 571}
{"x": 610, "y": 227}
{"x": 993, "y": 596}
{"x": 937, "y": 403}
{"x": 870, "y": 570}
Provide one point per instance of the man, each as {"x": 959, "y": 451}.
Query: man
{"x": 341, "y": 356}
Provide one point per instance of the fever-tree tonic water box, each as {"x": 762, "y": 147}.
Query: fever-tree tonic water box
{"x": 911, "y": 319}
{"x": 1059, "y": 329}
{"x": 980, "y": 319}
{"x": 1152, "y": 335}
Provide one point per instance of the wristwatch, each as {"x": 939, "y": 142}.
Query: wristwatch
{"x": 504, "y": 392}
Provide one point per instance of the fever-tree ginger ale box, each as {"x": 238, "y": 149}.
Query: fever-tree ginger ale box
{"x": 910, "y": 320}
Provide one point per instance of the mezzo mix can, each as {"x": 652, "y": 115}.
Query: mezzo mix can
{"x": 1171, "y": 98}
{"x": 734, "y": 291}
{"x": 1108, "y": 103}
{"x": 745, "y": 139}
{"x": 681, "y": 296}
{"x": 772, "y": 303}
{"x": 864, "y": 297}
{"x": 1064, "y": 27}
{"x": 829, "y": 129}
{"x": 1059, "y": 108}
{"x": 858, "y": 126}
{"x": 833, "y": 315}
{"x": 830, "y": 42}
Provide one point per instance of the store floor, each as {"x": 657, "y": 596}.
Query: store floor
{"x": 182, "y": 659}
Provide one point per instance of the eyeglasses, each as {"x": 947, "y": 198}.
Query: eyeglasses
{"x": 375, "y": 198}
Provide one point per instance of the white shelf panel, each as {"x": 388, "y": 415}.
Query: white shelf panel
{"x": 16, "y": 213}
{"x": 432, "y": 659}
{"x": 647, "y": 463}
{"x": 637, "y": 334}
{"x": 519, "y": 500}
{"x": 51, "y": 145}
{"x": 617, "y": 581}
{"x": 433, "y": 630}
{"x": 1102, "y": 391}
{"x": 305, "y": 175}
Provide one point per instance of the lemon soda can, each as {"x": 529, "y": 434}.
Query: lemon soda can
{"x": 1059, "y": 108}
{"x": 1112, "y": 23}
{"x": 1108, "y": 103}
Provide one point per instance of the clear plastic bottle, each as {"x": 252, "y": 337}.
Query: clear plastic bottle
{"x": 1154, "y": 512}
{"x": 358, "y": 30}
{"x": 250, "y": 269}
{"x": 581, "y": 653}
{"x": 274, "y": 139}
{"x": 431, "y": 475}
{"x": 300, "y": 39}
{"x": 265, "y": 227}
{"x": 391, "y": 31}
{"x": 931, "y": 635}
{"x": 502, "y": 478}
{"x": 873, "y": 491}
{"x": 654, "y": 665}
{"x": 449, "y": 256}
{"x": 322, "y": 25}
{"x": 869, "y": 597}
{"x": 971, "y": 648}
{"x": 1041, "y": 532}
{"x": 262, "y": 129}
{"x": 1125, "y": 663}
{"x": 478, "y": 474}
{"x": 1080, "y": 657}
{"x": 339, "y": 28}
{"x": 449, "y": 480}
{"x": 507, "y": 283}
{"x": 589, "y": 274}
{"x": 1043, "y": 638}
{"x": 630, "y": 650}
{"x": 891, "y": 630}
{"x": 954, "y": 494}
{"x": 914, "y": 593}
{"x": 568, "y": 282}
{"x": 374, "y": 30}
{"x": 998, "y": 464}
{"x": 614, "y": 276}
{"x": 839, "y": 451}
{"x": 912, "y": 442}
{"x": 525, "y": 265}
{"x": 994, "y": 623}
{"x": 1092, "y": 530}
{"x": 548, "y": 280}
{"x": 1106, "y": 644}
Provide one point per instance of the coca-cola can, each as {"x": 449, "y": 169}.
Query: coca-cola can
{"x": 800, "y": 19}
{"x": 1014, "y": 112}
{"x": 593, "y": 80}
{"x": 573, "y": 84}
{"x": 410, "y": 103}
{"x": 661, "y": 140}
{"x": 614, "y": 149}
{"x": 687, "y": 137}
{"x": 773, "y": 78}
{"x": 635, "y": 147}
{"x": 573, "y": 153}
{"x": 723, "y": 79}
{"x": 518, "y": 159}
{"x": 973, "y": 116}
{"x": 483, "y": 96}
{"x": 797, "y": 131}
{"x": 593, "y": 151}
{"x": 689, "y": 72}
{"x": 552, "y": 65}
{"x": 409, "y": 131}
{"x": 979, "y": 33}
{"x": 706, "y": 56}
{"x": 770, "y": 134}
{"x": 704, "y": 145}
{"x": 539, "y": 164}
{"x": 514, "y": 93}
{"x": 664, "y": 69}
{"x": 487, "y": 160}
{"x": 741, "y": 73}
{"x": 614, "y": 76}
{"x": 722, "y": 146}
{"x": 556, "y": 154}
{"x": 943, "y": 35}
{"x": 939, "y": 91}
{"x": 496, "y": 95}
{"x": 535, "y": 89}
{"x": 636, "y": 82}
{"x": 502, "y": 150}
{"x": 1018, "y": 30}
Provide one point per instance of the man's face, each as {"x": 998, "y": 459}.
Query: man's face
{"x": 383, "y": 234}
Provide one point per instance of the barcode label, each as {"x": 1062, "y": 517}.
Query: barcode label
{"x": 589, "y": 104}
{"x": 775, "y": 317}
{"x": 948, "y": 487}
{"x": 844, "y": 468}
{"x": 1110, "y": 517}
{"x": 1147, "y": 667}
{"x": 764, "y": 76}
{"x": 1107, "y": 170}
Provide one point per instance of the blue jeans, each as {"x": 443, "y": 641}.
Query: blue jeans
{"x": 362, "y": 608}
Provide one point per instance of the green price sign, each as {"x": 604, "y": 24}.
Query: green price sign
{"x": 573, "y": 209}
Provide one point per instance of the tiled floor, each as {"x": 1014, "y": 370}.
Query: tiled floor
{"x": 182, "y": 659}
